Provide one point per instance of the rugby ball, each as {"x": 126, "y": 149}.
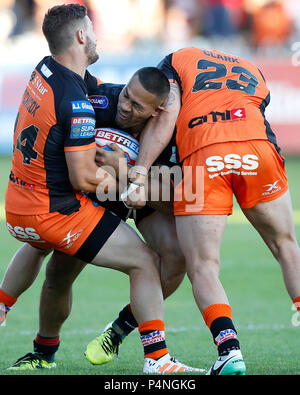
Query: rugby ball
{"x": 105, "y": 136}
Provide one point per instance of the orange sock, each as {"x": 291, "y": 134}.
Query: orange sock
{"x": 153, "y": 339}
{"x": 215, "y": 311}
{"x": 6, "y": 299}
{"x": 296, "y": 302}
{"x": 218, "y": 317}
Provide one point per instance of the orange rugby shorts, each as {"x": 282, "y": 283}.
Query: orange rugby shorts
{"x": 251, "y": 170}
{"x": 82, "y": 233}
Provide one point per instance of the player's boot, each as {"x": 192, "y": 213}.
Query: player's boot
{"x": 103, "y": 349}
{"x": 230, "y": 364}
{"x": 32, "y": 361}
{"x": 167, "y": 365}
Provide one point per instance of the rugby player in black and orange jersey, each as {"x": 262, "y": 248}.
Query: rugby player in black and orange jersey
{"x": 54, "y": 159}
{"x": 157, "y": 228}
{"x": 227, "y": 147}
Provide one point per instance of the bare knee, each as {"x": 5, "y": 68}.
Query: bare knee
{"x": 148, "y": 263}
{"x": 61, "y": 271}
{"x": 209, "y": 267}
{"x": 284, "y": 247}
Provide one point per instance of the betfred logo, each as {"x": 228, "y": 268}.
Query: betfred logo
{"x": 217, "y": 116}
{"x": 83, "y": 121}
{"x": 117, "y": 138}
{"x": 82, "y": 127}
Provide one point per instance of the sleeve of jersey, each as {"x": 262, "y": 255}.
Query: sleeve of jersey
{"x": 166, "y": 67}
{"x": 80, "y": 126}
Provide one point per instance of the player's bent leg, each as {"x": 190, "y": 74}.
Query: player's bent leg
{"x": 159, "y": 232}
{"x": 55, "y": 307}
{"x": 23, "y": 269}
{"x": 126, "y": 252}
{"x": 274, "y": 221}
{"x": 200, "y": 239}
{"x": 56, "y": 294}
{"x": 19, "y": 276}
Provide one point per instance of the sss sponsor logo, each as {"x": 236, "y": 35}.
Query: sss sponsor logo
{"x": 232, "y": 162}
{"x": 25, "y": 234}
{"x": 217, "y": 116}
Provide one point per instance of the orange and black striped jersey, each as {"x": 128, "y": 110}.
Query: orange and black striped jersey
{"x": 54, "y": 116}
{"x": 223, "y": 99}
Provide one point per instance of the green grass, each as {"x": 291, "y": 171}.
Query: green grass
{"x": 262, "y": 310}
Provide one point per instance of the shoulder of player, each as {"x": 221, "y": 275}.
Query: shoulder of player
{"x": 63, "y": 81}
{"x": 105, "y": 96}
{"x": 70, "y": 95}
{"x": 107, "y": 89}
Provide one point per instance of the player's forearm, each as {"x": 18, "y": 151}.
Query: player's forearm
{"x": 85, "y": 175}
{"x": 160, "y": 193}
{"x": 154, "y": 139}
{"x": 102, "y": 180}
{"x": 90, "y": 181}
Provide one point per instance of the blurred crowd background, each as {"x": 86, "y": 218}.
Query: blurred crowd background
{"x": 136, "y": 33}
{"x": 137, "y": 25}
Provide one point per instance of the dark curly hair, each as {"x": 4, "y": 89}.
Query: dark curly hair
{"x": 60, "y": 24}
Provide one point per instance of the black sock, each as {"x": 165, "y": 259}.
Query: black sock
{"x": 125, "y": 323}
{"x": 224, "y": 335}
{"x": 46, "y": 346}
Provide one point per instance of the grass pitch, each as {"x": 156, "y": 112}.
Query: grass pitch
{"x": 262, "y": 310}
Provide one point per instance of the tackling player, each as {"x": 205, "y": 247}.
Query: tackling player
{"x": 54, "y": 159}
{"x": 227, "y": 147}
{"x": 157, "y": 228}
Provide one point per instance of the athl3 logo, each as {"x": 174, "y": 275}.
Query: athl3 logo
{"x": 272, "y": 188}
{"x": 216, "y": 116}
